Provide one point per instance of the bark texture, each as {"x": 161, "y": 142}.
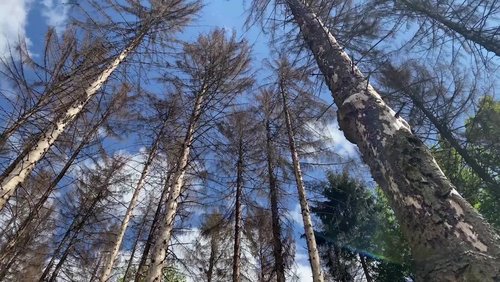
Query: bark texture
{"x": 450, "y": 241}
{"x": 312, "y": 248}
{"x": 279, "y": 262}
{"x": 158, "y": 257}
{"x": 128, "y": 214}
{"x": 19, "y": 170}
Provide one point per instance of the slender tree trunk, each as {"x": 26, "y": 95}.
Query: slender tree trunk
{"x": 446, "y": 133}
{"x": 17, "y": 172}
{"x": 211, "y": 259}
{"x": 128, "y": 215}
{"x": 279, "y": 262}
{"x": 22, "y": 229}
{"x": 136, "y": 243}
{"x": 368, "y": 277}
{"x": 237, "y": 214}
{"x": 312, "y": 247}
{"x": 489, "y": 42}
{"x": 450, "y": 241}
{"x": 152, "y": 231}
{"x": 158, "y": 257}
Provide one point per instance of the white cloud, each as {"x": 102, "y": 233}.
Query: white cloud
{"x": 301, "y": 270}
{"x": 13, "y": 20}
{"x": 55, "y": 13}
{"x": 340, "y": 143}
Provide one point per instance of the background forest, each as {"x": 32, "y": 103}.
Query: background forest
{"x": 258, "y": 140}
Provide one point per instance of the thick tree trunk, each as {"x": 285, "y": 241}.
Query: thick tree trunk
{"x": 488, "y": 42}
{"x": 158, "y": 257}
{"x": 128, "y": 215}
{"x": 279, "y": 262}
{"x": 19, "y": 170}
{"x": 237, "y": 214}
{"x": 312, "y": 247}
{"x": 450, "y": 241}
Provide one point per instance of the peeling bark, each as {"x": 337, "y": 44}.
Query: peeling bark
{"x": 312, "y": 248}
{"x": 450, "y": 241}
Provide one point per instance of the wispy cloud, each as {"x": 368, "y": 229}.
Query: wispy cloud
{"x": 13, "y": 21}
{"x": 55, "y": 13}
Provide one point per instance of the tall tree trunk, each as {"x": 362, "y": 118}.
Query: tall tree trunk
{"x": 279, "y": 262}
{"x": 136, "y": 243}
{"x": 450, "y": 241}
{"x": 133, "y": 202}
{"x": 446, "y": 133}
{"x": 312, "y": 247}
{"x": 237, "y": 213}
{"x": 19, "y": 170}
{"x": 152, "y": 230}
{"x": 366, "y": 271}
{"x": 22, "y": 229}
{"x": 212, "y": 258}
{"x": 489, "y": 42}
{"x": 158, "y": 257}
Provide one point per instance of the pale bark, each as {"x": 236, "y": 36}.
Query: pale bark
{"x": 19, "y": 170}
{"x": 149, "y": 241}
{"x": 450, "y": 241}
{"x": 158, "y": 257}
{"x": 136, "y": 243}
{"x": 128, "y": 214}
{"x": 22, "y": 229}
{"x": 279, "y": 262}
{"x": 312, "y": 248}
{"x": 237, "y": 214}
{"x": 487, "y": 41}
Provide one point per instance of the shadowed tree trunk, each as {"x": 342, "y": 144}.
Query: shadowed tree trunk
{"x": 279, "y": 262}
{"x": 487, "y": 41}
{"x": 450, "y": 241}
{"x": 237, "y": 213}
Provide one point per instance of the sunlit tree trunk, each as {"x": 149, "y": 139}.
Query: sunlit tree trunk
{"x": 19, "y": 170}
{"x": 22, "y": 229}
{"x": 450, "y": 241}
{"x": 312, "y": 248}
{"x": 158, "y": 256}
{"x": 128, "y": 214}
{"x": 152, "y": 230}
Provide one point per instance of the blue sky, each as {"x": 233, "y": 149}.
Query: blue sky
{"x": 30, "y": 19}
